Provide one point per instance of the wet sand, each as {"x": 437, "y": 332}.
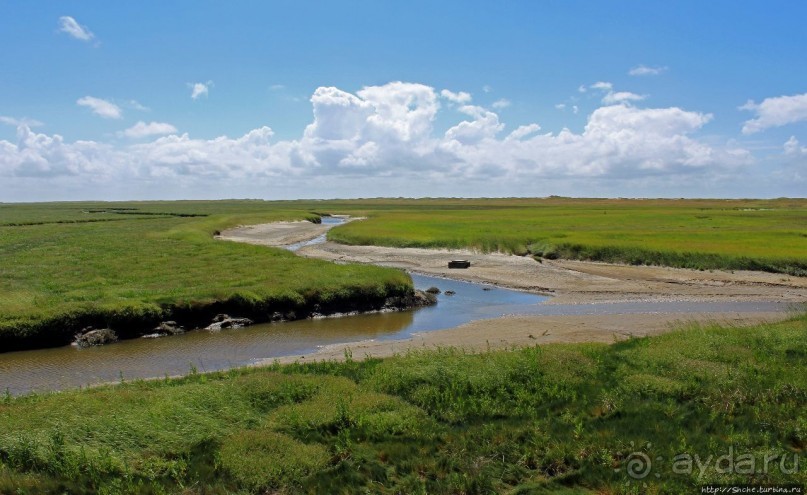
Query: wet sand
{"x": 570, "y": 282}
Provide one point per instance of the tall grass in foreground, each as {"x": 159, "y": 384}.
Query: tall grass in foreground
{"x": 548, "y": 419}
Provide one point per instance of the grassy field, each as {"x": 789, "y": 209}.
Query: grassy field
{"x": 64, "y": 266}
{"x": 552, "y": 419}
{"x": 769, "y": 235}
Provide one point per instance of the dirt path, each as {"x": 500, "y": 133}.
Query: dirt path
{"x": 570, "y": 282}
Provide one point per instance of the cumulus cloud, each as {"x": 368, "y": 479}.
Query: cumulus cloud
{"x": 793, "y": 148}
{"x": 100, "y": 107}
{"x": 461, "y": 97}
{"x": 643, "y": 70}
{"x": 40, "y": 155}
{"x": 501, "y": 103}
{"x": 775, "y": 112}
{"x": 200, "y": 89}
{"x": 142, "y": 129}
{"x": 484, "y": 126}
{"x": 69, "y": 25}
{"x": 388, "y": 132}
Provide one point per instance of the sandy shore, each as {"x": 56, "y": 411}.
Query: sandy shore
{"x": 570, "y": 282}
{"x": 518, "y": 331}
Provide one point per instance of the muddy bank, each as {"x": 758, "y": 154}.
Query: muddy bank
{"x": 517, "y": 331}
{"x": 151, "y": 321}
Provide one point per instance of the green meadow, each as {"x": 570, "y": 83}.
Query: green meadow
{"x": 64, "y": 266}
{"x": 549, "y": 419}
{"x": 769, "y": 235}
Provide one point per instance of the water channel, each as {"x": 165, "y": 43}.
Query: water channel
{"x": 69, "y": 367}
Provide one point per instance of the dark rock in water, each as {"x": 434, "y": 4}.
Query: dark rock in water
{"x": 417, "y": 299}
{"x": 276, "y": 316}
{"x": 89, "y": 337}
{"x": 220, "y": 317}
{"x": 228, "y": 322}
{"x": 169, "y": 328}
{"x": 487, "y": 288}
{"x": 433, "y": 290}
{"x": 449, "y": 292}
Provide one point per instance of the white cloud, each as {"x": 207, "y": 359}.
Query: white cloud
{"x": 142, "y": 129}
{"x": 200, "y": 89}
{"x": 461, "y": 97}
{"x": 643, "y": 70}
{"x": 793, "y": 148}
{"x": 621, "y": 97}
{"x": 575, "y": 109}
{"x": 484, "y": 126}
{"x": 19, "y": 122}
{"x": 69, "y": 25}
{"x": 611, "y": 97}
{"x": 602, "y": 85}
{"x": 277, "y": 87}
{"x": 136, "y": 105}
{"x": 381, "y": 136}
{"x": 560, "y": 106}
{"x": 40, "y": 155}
{"x": 523, "y": 131}
{"x": 102, "y": 108}
{"x": 501, "y": 103}
{"x": 486, "y": 88}
{"x": 775, "y": 112}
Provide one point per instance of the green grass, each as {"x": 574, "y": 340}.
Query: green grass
{"x": 65, "y": 266}
{"x": 60, "y": 272}
{"x": 769, "y": 235}
{"x": 550, "y": 419}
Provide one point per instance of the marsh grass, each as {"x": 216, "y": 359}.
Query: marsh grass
{"x": 545, "y": 419}
{"x": 161, "y": 262}
{"x": 768, "y": 235}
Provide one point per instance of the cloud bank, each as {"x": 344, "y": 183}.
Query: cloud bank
{"x": 383, "y": 134}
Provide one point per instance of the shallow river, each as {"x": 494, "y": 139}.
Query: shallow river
{"x": 68, "y": 367}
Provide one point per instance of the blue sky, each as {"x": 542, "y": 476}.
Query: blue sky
{"x": 150, "y": 100}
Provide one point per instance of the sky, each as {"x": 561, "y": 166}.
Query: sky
{"x": 345, "y": 99}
